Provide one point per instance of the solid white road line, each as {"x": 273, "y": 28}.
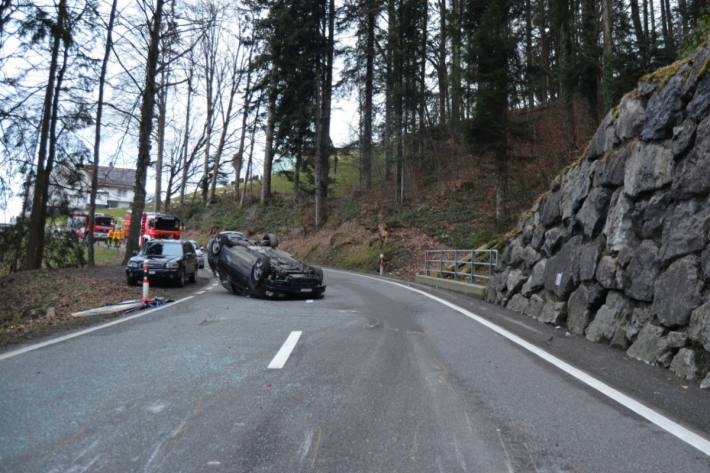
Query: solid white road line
{"x": 686, "y": 435}
{"x": 37, "y": 346}
{"x": 282, "y": 355}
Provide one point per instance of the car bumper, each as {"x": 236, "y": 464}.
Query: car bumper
{"x": 154, "y": 274}
{"x": 294, "y": 290}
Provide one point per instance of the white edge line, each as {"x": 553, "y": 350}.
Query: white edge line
{"x": 53, "y": 341}
{"x": 686, "y": 435}
{"x": 285, "y": 351}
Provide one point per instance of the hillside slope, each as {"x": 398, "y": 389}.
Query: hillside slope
{"x": 449, "y": 199}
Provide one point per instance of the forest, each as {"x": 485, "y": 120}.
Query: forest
{"x": 203, "y": 97}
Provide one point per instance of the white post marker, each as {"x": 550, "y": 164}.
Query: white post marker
{"x": 146, "y": 284}
{"x": 382, "y": 264}
{"x": 282, "y": 355}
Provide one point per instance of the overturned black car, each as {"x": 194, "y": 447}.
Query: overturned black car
{"x": 259, "y": 269}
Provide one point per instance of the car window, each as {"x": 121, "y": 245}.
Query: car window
{"x": 160, "y": 248}
{"x": 167, "y": 223}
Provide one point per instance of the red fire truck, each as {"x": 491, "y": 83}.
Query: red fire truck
{"x": 155, "y": 225}
{"x": 78, "y": 221}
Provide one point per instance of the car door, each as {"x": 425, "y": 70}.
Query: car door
{"x": 190, "y": 258}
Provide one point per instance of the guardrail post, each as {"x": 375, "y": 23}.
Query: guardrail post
{"x": 382, "y": 264}
{"x": 456, "y": 264}
{"x": 473, "y": 266}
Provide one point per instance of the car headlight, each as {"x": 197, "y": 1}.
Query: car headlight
{"x": 171, "y": 265}
{"x": 134, "y": 264}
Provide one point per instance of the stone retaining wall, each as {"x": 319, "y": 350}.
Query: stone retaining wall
{"x": 618, "y": 250}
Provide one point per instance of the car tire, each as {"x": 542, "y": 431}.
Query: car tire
{"x": 273, "y": 242}
{"x": 193, "y": 277}
{"x": 181, "y": 279}
{"x": 130, "y": 281}
{"x": 258, "y": 272}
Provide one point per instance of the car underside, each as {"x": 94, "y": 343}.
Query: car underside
{"x": 259, "y": 269}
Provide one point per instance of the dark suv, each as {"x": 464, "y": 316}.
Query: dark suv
{"x": 168, "y": 260}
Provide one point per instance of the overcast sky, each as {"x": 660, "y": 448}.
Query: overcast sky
{"x": 344, "y": 126}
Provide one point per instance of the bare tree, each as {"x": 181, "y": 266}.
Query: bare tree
{"x": 38, "y": 216}
{"x": 235, "y": 78}
{"x": 97, "y": 132}
{"x": 146, "y": 126}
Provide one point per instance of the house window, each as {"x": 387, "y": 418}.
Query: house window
{"x": 122, "y": 192}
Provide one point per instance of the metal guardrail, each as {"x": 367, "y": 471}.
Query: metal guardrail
{"x": 467, "y": 265}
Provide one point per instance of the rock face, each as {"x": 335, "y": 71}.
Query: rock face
{"x": 618, "y": 251}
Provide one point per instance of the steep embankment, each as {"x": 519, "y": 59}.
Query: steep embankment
{"x": 618, "y": 250}
{"x": 449, "y": 197}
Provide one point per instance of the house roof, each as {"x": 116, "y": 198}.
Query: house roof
{"x": 110, "y": 176}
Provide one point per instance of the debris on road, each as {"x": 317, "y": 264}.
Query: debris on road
{"x": 110, "y": 309}
{"x": 124, "y": 306}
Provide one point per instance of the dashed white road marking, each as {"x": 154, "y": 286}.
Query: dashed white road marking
{"x": 677, "y": 430}
{"x": 53, "y": 341}
{"x": 201, "y": 292}
{"x": 285, "y": 351}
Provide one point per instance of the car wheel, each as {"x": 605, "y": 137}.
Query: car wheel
{"x": 258, "y": 272}
{"x": 271, "y": 239}
{"x": 131, "y": 281}
{"x": 181, "y": 279}
{"x": 193, "y": 277}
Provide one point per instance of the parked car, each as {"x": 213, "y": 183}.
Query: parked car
{"x": 168, "y": 260}
{"x": 200, "y": 253}
{"x": 260, "y": 269}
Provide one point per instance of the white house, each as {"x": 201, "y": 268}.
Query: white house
{"x": 71, "y": 188}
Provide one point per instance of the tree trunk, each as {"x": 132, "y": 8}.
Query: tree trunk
{"x": 247, "y": 175}
{"x": 162, "y": 96}
{"x": 245, "y": 116}
{"x": 543, "y": 89}
{"x": 456, "y": 94}
{"x": 652, "y": 40}
{"x": 38, "y": 215}
{"x": 639, "y": 33}
{"x": 684, "y": 23}
{"x": 144, "y": 132}
{"x": 226, "y": 120}
{"x": 366, "y": 142}
{"x": 297, "y": 175}
{"x": 664, "y": 29}
{"x": 608, "y": 72}
{"x": 441, "y": 69}
{"x": 209, "y": 103}
{"x": 529, "y": 55}
{"x": 269, "y": 145}
{"x": 590, "y": 67}
{"x": 186, "y": 136}
{"x": 389, "y": 88}
{"x": 323, "y": 123}
{"x": 97, "y": 131}
{"x": 670, "y": 40}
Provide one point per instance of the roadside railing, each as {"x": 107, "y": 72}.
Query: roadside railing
{"x": 473, "y": 266}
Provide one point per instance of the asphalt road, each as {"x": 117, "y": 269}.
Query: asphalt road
{"x": 381, "y": 379}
